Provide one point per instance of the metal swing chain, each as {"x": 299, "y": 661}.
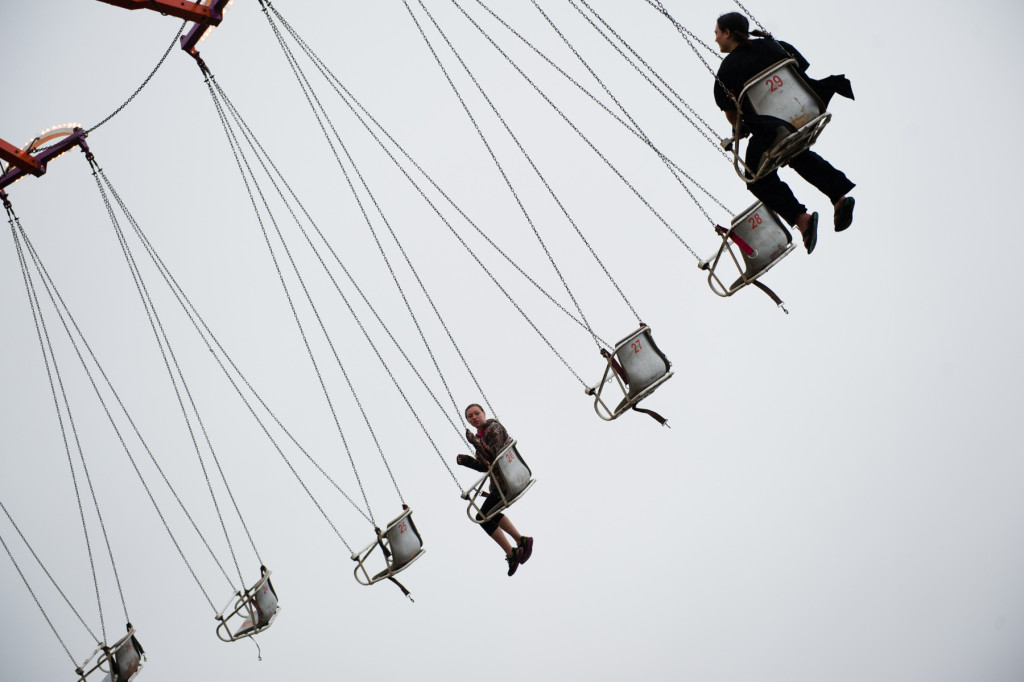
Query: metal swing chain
{"x": 638, "y": 134}
{"x": 249, "y": 139}
{"x": 139, "y": 233}
{"x": 352, "y": 311}
{"x": 707, "y": 126}
{"x": 200, "y": 325}
{"x": 159, "y": 332}
{"x": 349, "y": 99}
{"x": 747, "y": 12}
{"x": 319, "y": 109}
{"x": 62, "y": 311}
{"x": 686, "y": 33}
{"x": 297, "y": 70}
{"x": 36, "y": 599}
{"x": 673, "y": 168}
{"x": 490, "y": 151}
{"x": 240, "y": 158}
{"x": 306, "y": 86}
{"x": 565, "y": 212}
{"x": 232, "y": 143}
{"x": 46, "y": 347}
{"x": 47, "y": 572}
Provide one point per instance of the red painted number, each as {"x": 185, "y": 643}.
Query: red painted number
{"x": 401, "y": 527}
{"x": 774, "y": 83}
{"x": 508, "y": 456}
{"x": 754, "y": 221}
{"x": 636, "y": 347}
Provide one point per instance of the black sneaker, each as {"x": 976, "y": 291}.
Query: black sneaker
{"x": 514, "y": 560}
{"x": 526, "y": 546}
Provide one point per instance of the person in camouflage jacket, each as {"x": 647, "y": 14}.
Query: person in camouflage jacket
{"x": 487, "y": 442}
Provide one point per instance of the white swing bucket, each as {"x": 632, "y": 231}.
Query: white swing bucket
{"x": 251, "y": 612}
{"x": 645, "y": 368}
{"x": 762, "y": 241}
{"x": 781, "y": 92}
{"x": 121, "y": 661}
{"x": 402, "y": 544}
{"x": 517, "y": 477}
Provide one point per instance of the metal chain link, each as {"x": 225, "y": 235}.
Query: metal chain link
{"x": 490, "y": 151}
{"x": 215, "y": 90}
{"x": 568, "y": 217}
{"x": 47, "y": 572}
{"x": 36, "y": 599}
{"x": 167, "y": 351}
{"x": 349, "y": 100}
{"x": 64, "y": 312}
{"x": 611, "y": 166}
{"x": 747, "y": 12}
{"x": 231, "y": 142}
{"x": 46, "y": 346}
{"x": 713, "y": 140}
{"x": 138, "y": 231}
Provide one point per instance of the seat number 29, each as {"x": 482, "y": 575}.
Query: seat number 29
{"x": 774, "y": 83}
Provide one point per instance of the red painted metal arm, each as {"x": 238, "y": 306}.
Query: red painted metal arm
{"x": 190, "y": 11}
{"x": 19, "y": 159}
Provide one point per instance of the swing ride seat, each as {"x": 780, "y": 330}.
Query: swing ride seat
{"x": 257, "y": 607}
{"x": 511, "y": 467}
{"x": 638, "y": 367}
{"x": 401, "y": 544}
{"x": 762, "y": 241}
{"x": 122, "y": 661}
{"x": 780, "y": 92}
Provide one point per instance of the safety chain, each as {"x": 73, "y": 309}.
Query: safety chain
{"x": 273, "y": 221}
{"x": 639, "y": 134}
{"x": 707, "y": 126}
{"x": 568, "y": 217}
{"x": 145, "y": 82}
{"x": 307, "y": 88}
{"x": 191, "y": 311}
{"x": 747, "y": 12}
{"x": 36, "y": 599}
{"x": 490, "y": 151}
{"x": 46, "y": 346}
{"x": 166, "y": 351}
{"x": 349, "y": 99}
{"x": 65, "y": 316}
{"x": 261, "y": 155}
{"x": 52, "y": 581}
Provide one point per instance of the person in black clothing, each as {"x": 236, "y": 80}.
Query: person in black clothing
{"x": 745, "y": 58}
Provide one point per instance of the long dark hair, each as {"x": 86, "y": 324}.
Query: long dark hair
{"x": 738, "y": 26}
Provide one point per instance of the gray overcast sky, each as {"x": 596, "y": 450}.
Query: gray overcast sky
{"x": 838, "y": 496}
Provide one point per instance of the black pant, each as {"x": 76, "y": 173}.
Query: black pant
{"x": 777, "y": 195}
{"x": 492, "y": 501}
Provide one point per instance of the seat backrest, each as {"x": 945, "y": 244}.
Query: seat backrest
{"x": 126, "y": 660}
{"x": 266, "y": 601}
{"x": 404, "y": 539}
{"x": 781, "y": 92}
{"x": 513, "y": 469}
{"x": 640, "y": 358}
{"x": 761, "y": 230}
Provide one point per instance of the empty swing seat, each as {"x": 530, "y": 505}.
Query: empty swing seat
{"x": 762, "y": 241}
{"x": 401, "y": 545}
{"x": 512, "y": 477}
{"x": 781, "y": 92}
{"x": 251, "y": 612}
{"x": 122, "y": 661}
{"x": 638, "y": 367}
